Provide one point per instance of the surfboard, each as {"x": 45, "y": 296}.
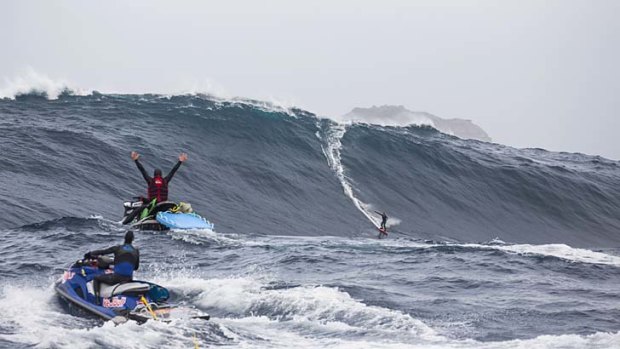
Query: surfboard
{"x": 183, "y": 221}
{"x": 382, "y": 233}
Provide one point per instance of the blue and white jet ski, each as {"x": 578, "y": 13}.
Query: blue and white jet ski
{"x": 165, "y": 215}
{"x": 134, "y": 300}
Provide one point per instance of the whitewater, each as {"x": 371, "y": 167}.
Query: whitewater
{"x": 489, "y": 246}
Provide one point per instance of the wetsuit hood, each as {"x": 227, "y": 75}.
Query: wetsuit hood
{"x": 129, "y": 237}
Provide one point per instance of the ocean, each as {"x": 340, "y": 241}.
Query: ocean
{"x": 489, "y": 246}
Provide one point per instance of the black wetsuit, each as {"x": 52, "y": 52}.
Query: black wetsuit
{"x": 384, "y": 218}
{"x": 383, "y": 221}
{"x": 157, "y": 190}
{"x": 126, "y": 260}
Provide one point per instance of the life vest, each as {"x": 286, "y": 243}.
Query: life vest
{"x": 158, "y": 189}
{"x": 125, "y": 260}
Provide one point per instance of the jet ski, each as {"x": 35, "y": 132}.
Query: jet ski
{"x": 160, "y": 216}
{"x": 135, "y": 300}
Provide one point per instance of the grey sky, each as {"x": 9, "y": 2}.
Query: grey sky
{"x": 531, "y": 73}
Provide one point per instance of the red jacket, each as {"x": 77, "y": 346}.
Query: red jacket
{"x": 158, "y": 186}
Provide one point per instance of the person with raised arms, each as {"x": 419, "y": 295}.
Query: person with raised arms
{"x": 157, "y": 185}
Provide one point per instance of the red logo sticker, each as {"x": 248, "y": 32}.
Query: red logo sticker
{"x": 67, "y": 276}
{"x": 114, "y": 302}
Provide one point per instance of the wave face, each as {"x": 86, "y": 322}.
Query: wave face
{"x": 294, "y": 260}
{"x": 473, "y": 191}
{"x": 255, "y": 168}
{"x": 251, "y": 169}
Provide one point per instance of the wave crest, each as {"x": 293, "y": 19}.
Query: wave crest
{"x": 33, "y": 83}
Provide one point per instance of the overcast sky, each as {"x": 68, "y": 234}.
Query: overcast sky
{"x": 531, "y": 73}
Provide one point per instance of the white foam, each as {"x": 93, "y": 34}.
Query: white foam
{"x": 209, "y": 87}
{"x": 600, "y": 340}
{"x": 273, "y": 106}
{"x": 32, "y": 82}
{"x": 202, "y": 236}
{"x": 556, "y": 250}
{"x": 319, "y": 316}
{"x": 562, "y": 251}
{"x": 334, "y": 159}
{"x": 271, "y": 334}
{"x": 36, "y": 319}
{"x": 404, "y": 120}
{"x": 323, "y": 305}
{"x": 300, "y": 317}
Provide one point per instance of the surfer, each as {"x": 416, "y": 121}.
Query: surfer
{"x": 126, "y": 260}
{"x": 384, "y": 218}
{"x": 383, "y": 228}
{"x": 157, "y": 185}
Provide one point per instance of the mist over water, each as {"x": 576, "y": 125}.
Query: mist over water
{"x": 489, "y": 246}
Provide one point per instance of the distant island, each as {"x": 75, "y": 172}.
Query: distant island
{"x": 392, "y": 115}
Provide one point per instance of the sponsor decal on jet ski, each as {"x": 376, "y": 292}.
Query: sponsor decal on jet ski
{"x": 67, "y": 275}
{"x": 115, "y": 302}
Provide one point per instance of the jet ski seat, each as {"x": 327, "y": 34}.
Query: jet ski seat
{"x": 108, "y": 291}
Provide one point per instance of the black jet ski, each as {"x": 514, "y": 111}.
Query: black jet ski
{"x": 143, "y": 215}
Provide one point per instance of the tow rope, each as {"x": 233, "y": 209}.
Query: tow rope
{"x": 195, "y": 342}
{"x": 148, "y": 307}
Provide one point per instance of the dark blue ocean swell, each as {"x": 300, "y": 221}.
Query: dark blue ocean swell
{"x": 251, "y": 170}
{"x": 258, "y": 169}
{"x": 262, "y": 290}
{"x": 292, "y": 261}
{"x": 442, "y": 186}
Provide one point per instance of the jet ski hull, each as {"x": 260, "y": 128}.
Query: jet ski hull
{"x": 149, "y": 224}
{"x": 160, "y": 217}
{"x": 71, "y": 296}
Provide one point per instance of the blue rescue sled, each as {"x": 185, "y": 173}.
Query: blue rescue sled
{"x": 183, "y": 221}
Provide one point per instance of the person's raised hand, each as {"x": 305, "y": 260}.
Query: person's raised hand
{"x": 183, "y": 157}
{"x": 134, "y": 156}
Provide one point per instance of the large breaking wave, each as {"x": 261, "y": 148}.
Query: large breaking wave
{"x": 489, "y": 246}
{"x": 257, "y": 168}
